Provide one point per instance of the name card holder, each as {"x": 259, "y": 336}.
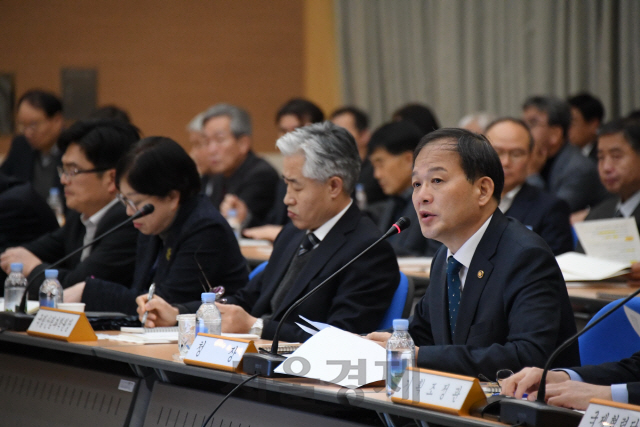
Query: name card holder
{"x": 218, "y": 352}
{"x": 438, "y": 391}
{"x": 63, "y": 325}
{"x": 602, "y": 412}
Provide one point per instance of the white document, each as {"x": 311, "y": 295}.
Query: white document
{"x": 580, "y": 267}
{"x": 338, "y": 357}
{"x": 415, "y": 264}
{"x": 613, "y": 239}
{"x": 634, "y": 318}
{"x": 32, "y": 306}
{"x": 317, "y": 325}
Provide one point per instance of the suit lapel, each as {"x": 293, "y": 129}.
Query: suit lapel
{"x": 478, "y": 275}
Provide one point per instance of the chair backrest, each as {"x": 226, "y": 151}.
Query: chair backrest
{"x": 614, "y": 338}
{"x": 258, "y": 269}
{"x": 397, "y": 309}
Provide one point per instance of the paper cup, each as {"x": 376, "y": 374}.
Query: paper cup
{"x": 72, "y": 306}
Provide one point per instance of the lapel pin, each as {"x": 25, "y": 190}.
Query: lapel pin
{"x": 168, "y": 256}
{"x": 480, "y": 274}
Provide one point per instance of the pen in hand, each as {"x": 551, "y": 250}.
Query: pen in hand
{"x": 152, "y": 290}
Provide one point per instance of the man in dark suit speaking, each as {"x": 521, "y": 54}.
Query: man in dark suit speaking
{"x": 320, "y": 167}
{"x": 497, "y": 299}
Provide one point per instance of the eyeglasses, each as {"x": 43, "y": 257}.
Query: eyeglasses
{"x": 514, "y": 155}
{"x": 70, "y": 173}
{"x": 127, "y": 202}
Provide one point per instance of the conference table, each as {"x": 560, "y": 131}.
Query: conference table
{"x": 111, "y": 383}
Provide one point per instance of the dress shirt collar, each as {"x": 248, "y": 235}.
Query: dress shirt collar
{"x": 630, "y": 205}
{"x": 586, "y": 150}
{"x": 507, "y": 200}
{"x": 468, "y": 249}
{"x": 322, "y": 231}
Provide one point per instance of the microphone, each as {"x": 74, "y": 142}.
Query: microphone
{"x": 146, "y": 210}
{"x": 265, "y": 364}
{"x": 538, "y": 413}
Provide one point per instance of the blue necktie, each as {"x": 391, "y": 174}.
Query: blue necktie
{"x": 308, "y": 243}
{"x": 453, "y": 291}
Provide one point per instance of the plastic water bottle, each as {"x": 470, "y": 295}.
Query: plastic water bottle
{"x": 208, "y": 318}
{"x": 361, "y": 197}
{"x": 51, "y": 292}
{"x": 14, "y": 287}
{"x": 55, "y": 203}
{"x": 401, "y": 353}
{"x": 234, "y": 222}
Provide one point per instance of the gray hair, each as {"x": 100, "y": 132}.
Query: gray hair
{"x": 240, "y": 119}
{"x": 329, "y": 150}
{"x": 482, "y": 118}
{"x": 195, "y": 125}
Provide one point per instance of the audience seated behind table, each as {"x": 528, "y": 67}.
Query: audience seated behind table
{"x": 391, "y": 153}
{"x": 34, "y": 155}
{"x": 295, "y": 113}
{"x": 91, "y": 149}
{"x": 537, "y": 209}
{"x": 321, "y": 166}
{"x": 497, "y": 299}
{"x": 575, "y": 387}
{"x": 233, "y": 168}
{"x": 183, "y": 231}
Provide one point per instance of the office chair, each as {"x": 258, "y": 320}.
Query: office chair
{"x": 614, "y": 338}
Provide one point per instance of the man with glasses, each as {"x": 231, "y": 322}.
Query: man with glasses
{"x": 235, "y": 169}
{"x": 33, "y": 155}
{"x": 91, "y": 152}
{"x": 536, "y": 209}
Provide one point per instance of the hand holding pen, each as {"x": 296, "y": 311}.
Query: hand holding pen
{"x": 152, "y": 290}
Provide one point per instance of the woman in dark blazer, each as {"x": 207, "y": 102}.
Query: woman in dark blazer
{"x": 184, "y": 230}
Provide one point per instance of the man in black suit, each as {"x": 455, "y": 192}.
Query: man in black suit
{"x": 235, "y": 170}
{"x": 391, "y": 153}
{"x": 587, "y": 113}
{"x": 321, "y": 166}
{"x": 575, "y": 387}
{"x": 497, "y": 299}
{"x": 538, "y": 210}
{"x": 91, "y": 151}
{"x": 33, "y": 155}
{"x": 557, "y": 165}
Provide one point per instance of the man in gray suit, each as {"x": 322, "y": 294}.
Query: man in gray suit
{"x": 561, "y": 169}
{"x": 391, "y": 153}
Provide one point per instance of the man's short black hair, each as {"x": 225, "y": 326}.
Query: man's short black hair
{"x": 418, "y": 114}
{"x": 477, "y": 156}
{"x": 304, "y": 110}
{"x": 558, "y": 111}
{"x": 396, "y": 137}
{"x": 360, "y": 118}
{"x": 42, "y": 100}
{"x": 630, "y": 129}
{"x": 156, "y": 166}
{"x": 103, "y": 142}
{"x": 589, "y": 106}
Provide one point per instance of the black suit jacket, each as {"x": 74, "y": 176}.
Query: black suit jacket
{"x": 410, "y": 242}
{"x": 24, "y": 216}
{"x": 514, "y": 309}
{"x": 626, "y": 371}
{"x": 545, "y": 214}
{"x": 199, "y": 234}
{"x": 355, "y": 300}
{"x": 20, "y": 160}
{"x": 254, "y": 182}
{"x": 112, "y": 257}
{"x": 607, "y": 210}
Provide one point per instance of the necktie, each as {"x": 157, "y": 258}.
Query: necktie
{"x": 308, "y": 243}
{"x": 453, "y": 291}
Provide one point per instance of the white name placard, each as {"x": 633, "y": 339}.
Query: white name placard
{"x": 612, "y": 414}
{"x": 51, "y": 322}
{"x": 218, "y": 352}
{"x": 61, "y": 325}
{"x": 438, "y": 390}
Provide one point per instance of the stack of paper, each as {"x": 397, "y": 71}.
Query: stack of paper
{"x": 578, "y": 267}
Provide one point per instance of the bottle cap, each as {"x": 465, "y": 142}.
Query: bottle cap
{"x": 232, "y": 213}
{"x": 208, "y": 297}
{"x": 16, "y": 266}
{"x": 54, "y": 191}
{"x": 401, "y": 324}
{"x": 51, "y": 274}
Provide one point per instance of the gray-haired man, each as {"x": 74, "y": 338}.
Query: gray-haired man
{"x": 234, "y": 168}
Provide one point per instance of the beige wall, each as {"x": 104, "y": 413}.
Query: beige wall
{"x": 166, "y": 61}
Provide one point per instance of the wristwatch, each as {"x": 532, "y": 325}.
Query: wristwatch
{"x": 257, "y": 327}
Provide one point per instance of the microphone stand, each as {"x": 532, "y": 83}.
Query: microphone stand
{"x": 265, "y": 363}
{"x": 20, "y": 320}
